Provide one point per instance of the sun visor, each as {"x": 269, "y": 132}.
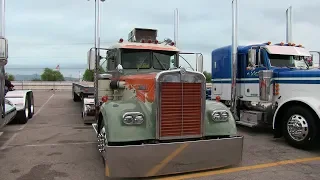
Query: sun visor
{"x": 287, "y": 50}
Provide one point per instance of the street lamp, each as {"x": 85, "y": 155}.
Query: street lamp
{"x": 97, "y": 53}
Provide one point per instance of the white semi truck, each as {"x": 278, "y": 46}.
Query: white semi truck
{"x": 14, "y": 105}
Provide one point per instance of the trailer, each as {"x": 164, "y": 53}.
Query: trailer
{"x": 269, "y": 85}
{"x": 83, "y": 92}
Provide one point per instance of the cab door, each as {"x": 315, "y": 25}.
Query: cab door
{"x": 251, "y": 80}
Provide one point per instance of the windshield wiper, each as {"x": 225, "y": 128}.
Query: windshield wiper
{"x": 160, "y": 62}
{"x": 141, "y": 63}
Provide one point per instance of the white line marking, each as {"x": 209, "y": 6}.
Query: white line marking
{"x": 54, "y": 144}
{"x": 37, "y": 111}
{"x": 5, "y": 145}
{"x": 1, "y": 133}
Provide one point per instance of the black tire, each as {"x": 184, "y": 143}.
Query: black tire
{"x": 75, "y": 97}
{"x": 307, "y": 118}
{"x": 22, "y": 117}
{"x": 31, "y": 105}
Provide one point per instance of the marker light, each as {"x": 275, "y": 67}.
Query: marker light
{"x": 142, "y": 41}
{"x": 276, "y": 89}
{"x": 104, "y": 98}
{"x": 172, "y": 43}
{"x": 218, "y": 98}
{"x": 156, "y": 41}
{"x": 120, "y": 40}
{"x": 293, "y": 44}
{"x": 149, "y": 41}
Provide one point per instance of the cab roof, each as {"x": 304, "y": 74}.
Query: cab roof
{"x": 138, "y": 45}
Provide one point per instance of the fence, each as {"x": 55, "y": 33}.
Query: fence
{"x": 48, "y": 85}
{"x": 43, "y": 85}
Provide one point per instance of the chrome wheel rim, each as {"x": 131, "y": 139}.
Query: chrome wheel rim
{"x": 32, "y": 108}
{"x": 26, "y": 111}
{"x": 297, "y": 127}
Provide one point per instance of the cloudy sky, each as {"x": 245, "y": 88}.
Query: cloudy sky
{"x": 61, "y": 31}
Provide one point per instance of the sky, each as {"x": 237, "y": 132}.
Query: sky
{"x": 47, "y": 33}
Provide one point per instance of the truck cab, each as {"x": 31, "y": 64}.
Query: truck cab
{"x": 275, "y": 87}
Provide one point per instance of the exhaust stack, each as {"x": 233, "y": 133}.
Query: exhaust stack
{"x": 234, "y": 58}
{"x": 176, "y": 26}
{"x": 289, "y": 25}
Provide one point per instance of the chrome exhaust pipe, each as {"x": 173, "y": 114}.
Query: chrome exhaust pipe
{"x": 234, "y": 58}
{"x": 289, "y": 25}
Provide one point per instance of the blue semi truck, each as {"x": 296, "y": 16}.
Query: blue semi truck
{"x": 269, "y": 85}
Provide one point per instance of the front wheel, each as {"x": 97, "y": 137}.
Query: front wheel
{"x": 300, "y": 127}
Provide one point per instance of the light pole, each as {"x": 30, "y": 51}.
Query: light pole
{"x": 3, "y": 61}
{"x": 97, "y": 54}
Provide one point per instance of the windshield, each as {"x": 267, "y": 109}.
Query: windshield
{"x": 290, "y": 61}
{"x": 146, "y": 59}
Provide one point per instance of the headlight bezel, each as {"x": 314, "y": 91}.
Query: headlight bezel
{"x": 133, "y": 118}
{"x": 220, "y": 116}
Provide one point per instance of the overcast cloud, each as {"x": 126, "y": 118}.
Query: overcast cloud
{"x": 62, "y": 31}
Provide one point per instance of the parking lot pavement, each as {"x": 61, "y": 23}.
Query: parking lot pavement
{"x": 55, "y": 144}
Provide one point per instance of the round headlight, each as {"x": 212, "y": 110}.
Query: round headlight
{"x": 216, "y": 116}
{"x": 138, "y": 119}
{"x": 128, "y": 120}
{"x": 224, "y": 115}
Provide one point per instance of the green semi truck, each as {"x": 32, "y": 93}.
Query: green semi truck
{"x": 151, "y": 115}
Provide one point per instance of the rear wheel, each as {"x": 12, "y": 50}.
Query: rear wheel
{"x": 31, "y": 105}
{"x": 300, "y": 127}
{"x": 22, "y": 116}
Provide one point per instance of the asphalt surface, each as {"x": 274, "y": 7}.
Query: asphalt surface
{"x": 56, "y": 145}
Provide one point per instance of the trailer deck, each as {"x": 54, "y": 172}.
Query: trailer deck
{"x": 56, "y": 144}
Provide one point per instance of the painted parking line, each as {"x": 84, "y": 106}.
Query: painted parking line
{"x": 238, "y": 169}
{"x": 1, "y": 133}
{"x": 5, "y": 145}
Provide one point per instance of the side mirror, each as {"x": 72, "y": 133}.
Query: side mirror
{"x": 91, "y": 59}
{"x": 3, "y": 51}
{"x": 119, "y": 68}
{"x": 252, "y": 56}
{"x": 199, "y": 65}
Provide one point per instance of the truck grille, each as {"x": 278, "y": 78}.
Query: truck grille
{"x": 180, "y": 109}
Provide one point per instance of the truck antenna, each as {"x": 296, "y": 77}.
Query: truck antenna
{"x": 289, "y": 25}
{"x": 234, "y": 58}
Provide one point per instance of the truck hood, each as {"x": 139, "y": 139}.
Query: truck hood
{"x": 143, "y": 84}
{"x": 286, "y": 72}
{"x": 297, "y": 76}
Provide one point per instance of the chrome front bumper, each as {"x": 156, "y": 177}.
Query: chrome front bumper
{"x": 172, "y": 158}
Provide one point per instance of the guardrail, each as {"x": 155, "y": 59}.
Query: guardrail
{"x": 49, "y": 85}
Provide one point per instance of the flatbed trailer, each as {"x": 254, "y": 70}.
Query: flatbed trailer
{"x": 84, "y": 92}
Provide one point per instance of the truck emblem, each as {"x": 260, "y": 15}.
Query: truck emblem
{"x": 182, "y": 71}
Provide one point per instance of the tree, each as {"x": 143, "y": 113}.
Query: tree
{"x": 208, "y": 76}
{"x": 51, "y": 75}
{"x": 10, "y": 77}
{"x": 88, "y": 75}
